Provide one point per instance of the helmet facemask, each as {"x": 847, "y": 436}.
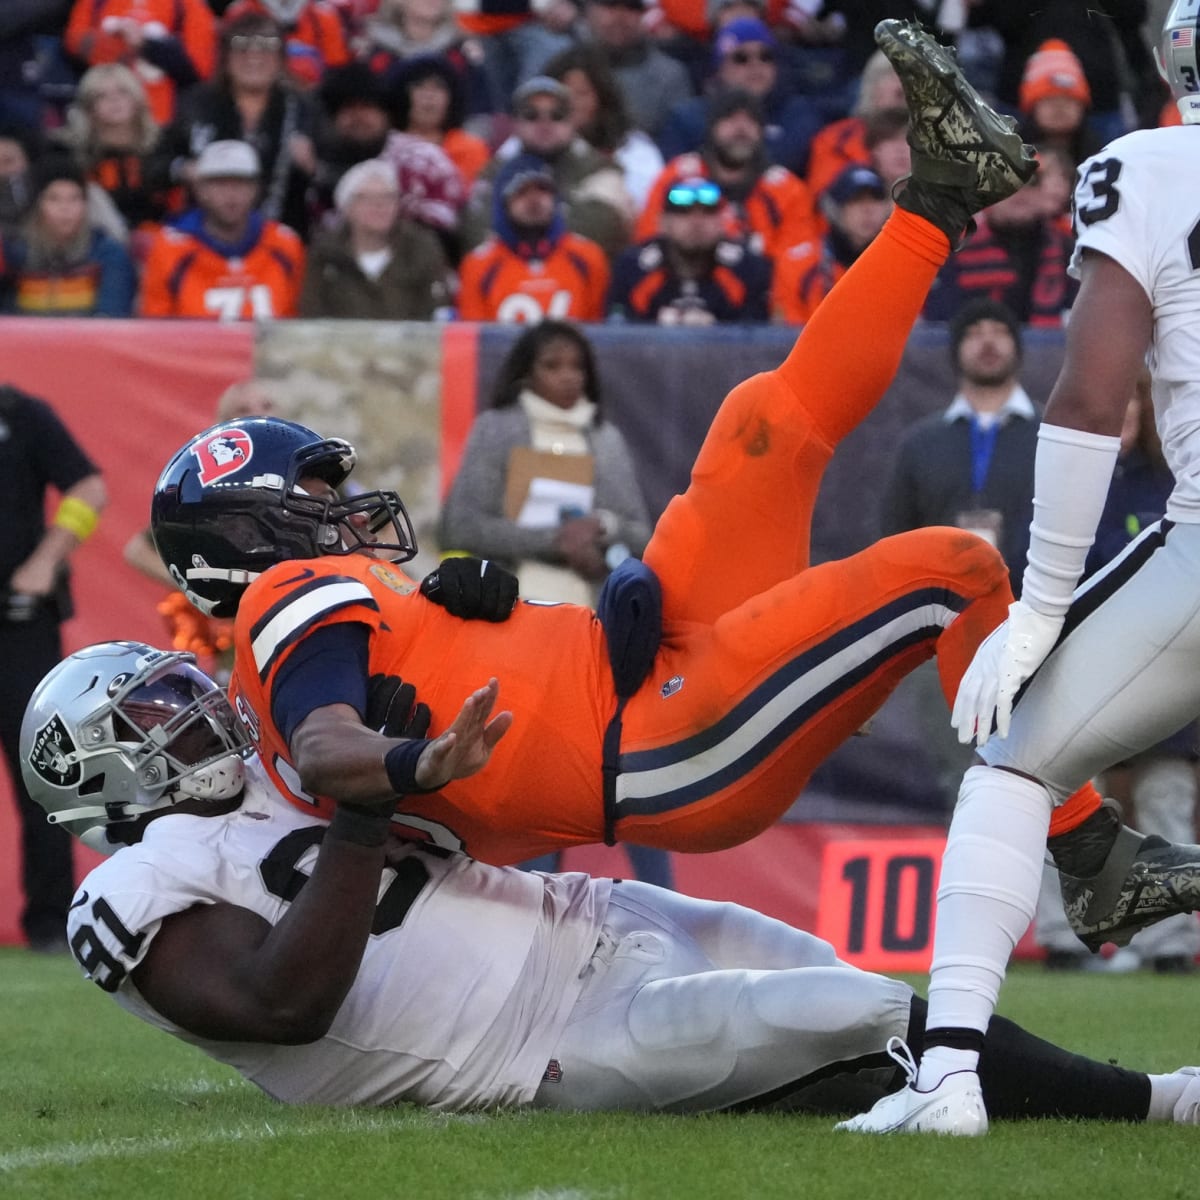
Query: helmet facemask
{"x": 162, "y": 733}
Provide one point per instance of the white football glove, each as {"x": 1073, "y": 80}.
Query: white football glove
{"x": 1005, "y": 659}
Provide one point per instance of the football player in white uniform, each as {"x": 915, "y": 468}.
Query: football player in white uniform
{"x": 1077, "y": 680}
{"x": 330, "y": 963}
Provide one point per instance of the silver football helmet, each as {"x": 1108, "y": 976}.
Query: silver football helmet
{"x": 1176, "y": 56}
{"x": 120, "y": 729}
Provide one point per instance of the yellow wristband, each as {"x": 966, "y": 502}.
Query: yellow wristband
{"x": 76, "y": 516}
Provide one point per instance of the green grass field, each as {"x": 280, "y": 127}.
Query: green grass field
{"x": 94, "y": 1104}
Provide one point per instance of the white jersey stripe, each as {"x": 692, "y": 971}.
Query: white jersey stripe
{"x": 302, "y": 612}
{"x": 658, "y": 781}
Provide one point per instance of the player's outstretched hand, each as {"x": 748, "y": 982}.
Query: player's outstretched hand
{"x": 467, "y": 745}
{"x": 1003, "y": 662}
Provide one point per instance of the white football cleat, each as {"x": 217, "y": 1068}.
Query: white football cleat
{"x": 1187, "y": 1107}
{"x": 955, "y": 1106}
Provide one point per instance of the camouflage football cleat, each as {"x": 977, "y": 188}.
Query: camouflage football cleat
{"x": 1142, "y": 880}
{"x": 965, "y": 156}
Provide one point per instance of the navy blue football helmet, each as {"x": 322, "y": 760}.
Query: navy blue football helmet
{"x": 230, "y": 504}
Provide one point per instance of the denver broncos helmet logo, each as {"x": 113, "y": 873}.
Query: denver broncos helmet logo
{"x": 222, "y": 453}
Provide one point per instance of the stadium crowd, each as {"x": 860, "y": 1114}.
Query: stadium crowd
{"x": 675, "y": 162}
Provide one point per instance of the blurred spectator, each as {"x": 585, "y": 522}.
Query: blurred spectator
{"x": 251, "y": 99}
{"x": 651, "y": 82}
{"x": 224, "y": 260}
{"x": 1105, "y": 35}
{"x": 517, "y": 37}
{"x": 599, "y": 116}
{"x": 1056, "y": 176}
{"x": 315, "y": 39}
{"x": 374, "y": 265}
{"x": 22, "y": 67}
{"x": 20, "y": 150}
{"x": 746, "y": 55}
{"x": 352, "y": 126}
{"x": 844, "y": 142}
{"x": 428, "y": 101}
{"x": 547, "y": 401}
{"x": 595, "y": 201}
{"x": 60, "y": 265}
{"x": 532, "y": 267}
{"x": 38, "y": 453}
{"x": 547, "y": 398}
{"x": 1018, "y": 255}
{"x": 855, "y": 205}
{"x": 1054, "y": 99}
{"x": 690, "y": 274}
{"x": 403, "y": 30}
{"x": 112, "y": 134}
{"x": 169, "y": 44}
{"x": 431, "y": 188}
{"x": 767, "y": 205}
{"x": 970, "y": 466}
{"x": 885, "y": 136}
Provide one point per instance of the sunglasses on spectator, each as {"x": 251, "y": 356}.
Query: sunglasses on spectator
{"x": 684, "y": 197}
{"x": 742, "y": 57}
{"x": 532, "y": 112}
{"x": 263, "y": 42}
{"x": 632, "y": 5}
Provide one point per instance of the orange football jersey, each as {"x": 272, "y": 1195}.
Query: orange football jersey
{"x": 570, "y": 283}
{"x": 184, "y": 276}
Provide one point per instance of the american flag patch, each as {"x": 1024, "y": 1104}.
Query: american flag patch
{"x": 1181, "y": 39}
{"x": 553, "y": 1072}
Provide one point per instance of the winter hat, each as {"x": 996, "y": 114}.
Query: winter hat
{"x": 1053, "y": 70}
{"x": 981, "y": 309}
{"x": 737, "y": 33}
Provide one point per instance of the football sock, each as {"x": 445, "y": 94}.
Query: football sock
{"x": 991, "y": 875}
{"x": 1165, "y": 1091}
{"x": 1074, "y": 810}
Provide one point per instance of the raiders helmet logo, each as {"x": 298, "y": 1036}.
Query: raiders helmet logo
{"x": 51, "y": 755}
{"x": 222, "y": 453}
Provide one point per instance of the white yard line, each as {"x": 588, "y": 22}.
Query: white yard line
{"x": 76, "y": 1153}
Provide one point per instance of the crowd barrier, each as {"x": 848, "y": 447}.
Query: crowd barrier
{"x": 405, "y": 394}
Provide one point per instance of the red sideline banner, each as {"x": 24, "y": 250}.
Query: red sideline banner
{"x": 131, "y": 393}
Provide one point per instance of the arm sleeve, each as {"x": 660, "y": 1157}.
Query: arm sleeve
{"x": 329, "y": 666}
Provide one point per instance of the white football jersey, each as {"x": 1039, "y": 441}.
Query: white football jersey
{"x": 464, "y": 987}
{"x": 1135, "y": 202}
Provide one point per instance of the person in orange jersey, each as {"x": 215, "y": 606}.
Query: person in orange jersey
{"x": 170, "y": 44}
{"x": 532, "y": 266}
{"x": 223, "y": 260}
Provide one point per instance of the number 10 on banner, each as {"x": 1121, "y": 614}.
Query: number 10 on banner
{"x": 877, "y": 901}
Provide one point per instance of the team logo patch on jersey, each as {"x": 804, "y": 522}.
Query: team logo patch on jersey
{"x": 227, "y": 451}
{"x": 671, "y": 686}
{"x": 389, "y": 578}
{"x": 50, "y": 755}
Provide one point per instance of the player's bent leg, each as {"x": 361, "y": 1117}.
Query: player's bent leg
{"x": 756, "y": 477}
{"x": 729, "y": 935}
{"x": 710, "y": 1040}
{"x": 779, "y": 683}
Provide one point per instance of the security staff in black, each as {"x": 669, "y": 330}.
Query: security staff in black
{"x": 37, "y": 452}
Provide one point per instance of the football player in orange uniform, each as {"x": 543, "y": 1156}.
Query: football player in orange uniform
{"x": 532, "y": 266}
{"x": 224, "y": 261}
{"x": 690, "y": 728}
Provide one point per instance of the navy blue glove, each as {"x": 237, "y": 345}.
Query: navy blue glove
{"x": 472, "y": 588}
{"x": 392, "y": 708}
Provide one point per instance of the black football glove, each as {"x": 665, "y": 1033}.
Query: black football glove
{"x": 472, "y": 588}
{"x": 392, "y": 708}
